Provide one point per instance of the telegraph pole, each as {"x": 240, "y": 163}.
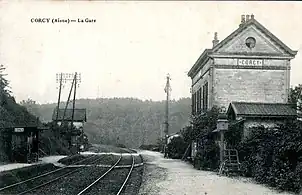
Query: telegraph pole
{"x": 74, "y": 98}
{"x": 77, "y": 77}
{"x": 63, "y": 78}
{"x": 167, "y": 91}
{"x": 66, "y": 106}
{"x": 59, "y": 79}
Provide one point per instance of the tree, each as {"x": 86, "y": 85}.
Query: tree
{"x": 201, "y": 125}
{"x": 201, "y": 128}
{"x": 177, "y": 147}
{"x": 295, "y": 97}
{"x": 4, "y": 86}
{"x": 295, "y": 94}
{"x": 31, "y": 106}
{"x": 109, "y": 118}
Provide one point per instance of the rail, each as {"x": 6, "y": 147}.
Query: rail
{"x": 45, "y": 174}
{"x": 98, "y": 179}
{"x": 127, "y": 178}
{"x": 15, "y": 186}
{"x": 106, "y": 173}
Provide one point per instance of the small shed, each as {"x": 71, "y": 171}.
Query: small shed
{"x": 22, "y": 143}
{"x": 79, "y": 115}
{"x": 251, "y": 114}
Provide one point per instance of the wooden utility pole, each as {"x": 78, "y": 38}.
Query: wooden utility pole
{"x": 67, "y": 103}
{"x": 74, "y": 98}
{"x": 59, "y": 97}
{"x": 62, "y": 122}
{"x": 167, "y": 91}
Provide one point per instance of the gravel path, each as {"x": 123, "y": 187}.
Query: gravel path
{"x": 167, "y": 176}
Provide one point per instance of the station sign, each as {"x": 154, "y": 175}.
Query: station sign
{"x": 250, "y": 62}
{"x": 19, "y": 130}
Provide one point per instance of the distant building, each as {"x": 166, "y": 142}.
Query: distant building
{"x": 250, "y": 65}
{"x": 79, "y": 116}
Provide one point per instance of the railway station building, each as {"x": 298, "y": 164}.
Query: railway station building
{"x": 247, "y": 75}
{"x": 250, "y": 65}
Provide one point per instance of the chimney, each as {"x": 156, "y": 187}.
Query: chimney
{"x": 247, "y": 17}
{"x": 252, "y": 16}
{"x": 215, "y": 41}
{"x": 242, "y": 20}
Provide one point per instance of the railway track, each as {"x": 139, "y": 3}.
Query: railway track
{"x": 109, "y": 179}
{"x": 46, "y": 178}
{"x": 89, "y": 188}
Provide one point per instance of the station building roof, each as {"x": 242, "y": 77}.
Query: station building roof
{"x": 208, "y": 53}
{"x": 257, "y": 109}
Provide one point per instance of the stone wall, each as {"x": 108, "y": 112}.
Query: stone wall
{"x": 263, "y": 44}
{"x": 236, "y": 72}
{"x": 250, "y": 85}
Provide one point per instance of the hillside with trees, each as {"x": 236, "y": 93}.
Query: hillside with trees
{"x": 11, "y": 113}
{"x": 128, "y": 121}
{"x": 24, "y": 114}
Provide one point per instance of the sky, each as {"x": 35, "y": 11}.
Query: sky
{"x": 130, "y": 48}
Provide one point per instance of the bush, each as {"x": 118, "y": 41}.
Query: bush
{"x": 176, "y": 148}
{"x": 207, "y": 157}
{"x": 274, "y": 156}
{"x": 53, "y": 144}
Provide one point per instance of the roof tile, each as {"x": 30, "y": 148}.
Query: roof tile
{"x": 263, "y": 109}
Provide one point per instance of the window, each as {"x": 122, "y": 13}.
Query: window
{"x": 198, "y": 101}
{"x": 200, "y": 98}
{"x": 193, "y": 103}
{"x": 250, "y": 42}
{"x": 205, "y": 96}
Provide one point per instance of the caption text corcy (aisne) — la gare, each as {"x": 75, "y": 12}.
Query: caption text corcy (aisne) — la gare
{"x": 61, "y": 20}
